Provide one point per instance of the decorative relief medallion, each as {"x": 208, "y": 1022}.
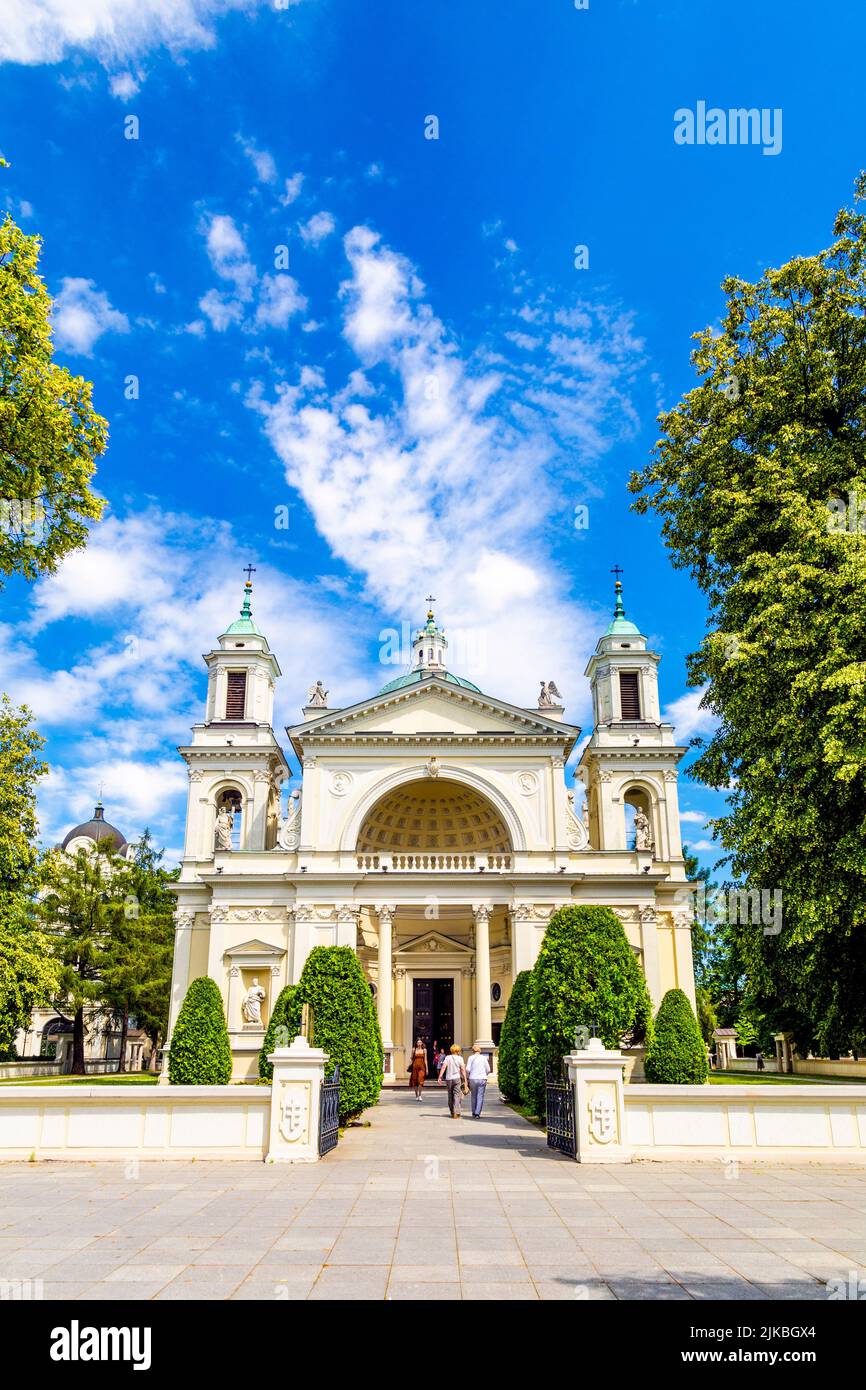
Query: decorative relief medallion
{"x": 602, "y": 1117}
{"x": 527, "y": 783}
{"x": 340, "y": 783}
{"x": 294, "y": 1105}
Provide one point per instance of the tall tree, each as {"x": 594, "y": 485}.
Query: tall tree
{"x": 27, "y": 973}
{"x": 83, "y": 899}
{"x": 50, "y": 436}
{"x": 136, "y": 958}
{"x": 760, "y": 481}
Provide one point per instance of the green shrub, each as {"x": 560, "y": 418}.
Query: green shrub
{"x": 511, "y": 1038}
{"x": 344, "y": 1023}
{"x": 677, "y": 1054}
{"x": 281, "y": 1018}
{"x": 586, "y": 973}
{"x": 200, "y": 1053}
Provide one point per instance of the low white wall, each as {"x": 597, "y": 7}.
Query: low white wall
{"x": 101, "y": 1122}
{"x": 750, "y": 1064}
{"x": 825, "y": 1066}
{"x": 811, "y": 1123}
{"x": 28, "y": 1066}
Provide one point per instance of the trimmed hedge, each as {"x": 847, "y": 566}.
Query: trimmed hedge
{"x": 344, "y": 1023}
{"x": 281, "y": 1018}
{"x": 586, "y": 973}
{"x": 677, "y": 1054}
{"x": 200, "y": 1053}
{"x": 511, "y": 1038}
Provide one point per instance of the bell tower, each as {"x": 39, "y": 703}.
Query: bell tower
{"x": 429, "y": 646}
{"x": 629, "y": 766}
{"x": 236, "y": 767}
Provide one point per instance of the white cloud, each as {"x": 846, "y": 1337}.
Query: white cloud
{"x": 292, "y": 190}
{"x": 263, "y": 162}
{"x": 46, "y": 31}
{"x": 279, "y": 300}
{"x": 221, "y": 309}
{"x": 82, "y": 314}
{"x": 687, "y": 717}
{"x": 705, "y": 847}
{"x": 693, "y": 817}
{"x": 123, "y": 86}
{"x": 320, "y": 226}
{"x": 437, "y": 489}
{"x": 228, "y": 254}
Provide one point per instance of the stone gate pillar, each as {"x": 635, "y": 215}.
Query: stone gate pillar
{"x": 599, "y": 1107}
{"x": 295, "y": 1092}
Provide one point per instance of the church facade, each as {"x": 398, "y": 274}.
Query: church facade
{"x": 434, "y": 833}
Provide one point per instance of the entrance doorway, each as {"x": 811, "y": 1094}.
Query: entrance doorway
{"x": 433, "y": 1015}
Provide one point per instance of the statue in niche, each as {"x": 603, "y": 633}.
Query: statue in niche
{"x": 251, "y": 1005}
{"x": 317, "y": 696}
{"x": 225, "y": 822}
{"x": 642, "y": 831}
{"x": 549, "y": 697}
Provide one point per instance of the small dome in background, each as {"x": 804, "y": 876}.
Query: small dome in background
{"x": 97, "y": 829}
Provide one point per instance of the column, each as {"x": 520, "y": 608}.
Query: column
{"x": 184, "y": 923}
{"x": 385, "y": 991}
{"x": 483, "y": 1024}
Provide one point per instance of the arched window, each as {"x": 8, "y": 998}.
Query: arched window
{"x": 231, "y": 801}
{"x": 639, "y": 824}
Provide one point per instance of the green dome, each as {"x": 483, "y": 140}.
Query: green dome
{"x": 245, "y": 623}
{"x": 416, "y": 677}
{"x": 621, "y": 626}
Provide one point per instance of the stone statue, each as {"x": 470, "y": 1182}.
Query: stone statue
{"x": 224, "y": 825}
{"x": 642, "y": 832}
{"x": 549, "y": 697}
{"x": 251, "y": 1005}
{"x": 317, "y": 696}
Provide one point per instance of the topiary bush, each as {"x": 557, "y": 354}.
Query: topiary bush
{"x": 344, "y": 1023}
{"x": 586, "y": 973}
{"x": 279, "y": 1032}
{"x": 200, "y": 1053}
{"x": 511, "y": 1038}
{"x": 677, "y": 1054}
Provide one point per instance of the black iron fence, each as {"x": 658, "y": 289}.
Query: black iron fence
{"x": 329, "y": 1112}
{"x": 561, "y": 1128}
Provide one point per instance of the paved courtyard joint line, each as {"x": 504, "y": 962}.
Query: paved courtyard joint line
{"x": 478, "y": 1209}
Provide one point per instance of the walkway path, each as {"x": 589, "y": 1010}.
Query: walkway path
{"x": 420, "y": 1206}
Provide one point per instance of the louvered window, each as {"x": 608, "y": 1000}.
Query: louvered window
{"x": 629, "y": 695}
{"x": 236, "y": 694}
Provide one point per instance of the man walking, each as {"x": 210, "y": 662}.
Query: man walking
{"x": 478, "y": 1070}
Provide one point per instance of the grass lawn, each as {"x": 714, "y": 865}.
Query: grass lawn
{"x": 752, "y": 1078}
{"x": 133, "y": 1078}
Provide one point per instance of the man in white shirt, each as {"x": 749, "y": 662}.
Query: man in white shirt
{"x": 478, "y": 1070}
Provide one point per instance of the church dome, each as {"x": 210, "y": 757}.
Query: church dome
{"x": 434, "y": 816}
{"x": 97, "y": 829}
{"x": 415, "y": 677}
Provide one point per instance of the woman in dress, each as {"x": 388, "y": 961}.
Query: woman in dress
{"x": 418, "y": 1068}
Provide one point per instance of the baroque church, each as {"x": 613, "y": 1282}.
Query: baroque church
{"x": 434, "y": 833}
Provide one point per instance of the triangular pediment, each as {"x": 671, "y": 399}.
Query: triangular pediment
{"x": 255, "y": 948}
{"x": 434, "y": 708}
{"x": 433, "y": 941}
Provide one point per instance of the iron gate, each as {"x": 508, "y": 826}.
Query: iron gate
{"x": 329, "y": 1112}
{"x": 561, "y": 1129}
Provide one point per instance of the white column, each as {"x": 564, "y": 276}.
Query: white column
{"x": 483, "y": 1023}
{"x": 184, "y": 922}
{"x": 385, "y": 991}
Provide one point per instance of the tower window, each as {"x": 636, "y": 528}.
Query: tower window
{"x": 236, "y": 694}
{"x": 629, "y": 695}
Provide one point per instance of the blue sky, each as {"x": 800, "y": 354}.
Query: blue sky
{"x": 383, "y": 337}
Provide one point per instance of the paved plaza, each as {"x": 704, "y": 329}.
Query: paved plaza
{"x": 419, "y": 1206}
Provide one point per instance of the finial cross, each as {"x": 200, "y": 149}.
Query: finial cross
{"x": 249, "y": 571}
{"x": 617, "y": 570}
{"x": 430, "y": 599}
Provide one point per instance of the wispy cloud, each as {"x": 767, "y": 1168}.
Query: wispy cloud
{"x": 82, "y": 314}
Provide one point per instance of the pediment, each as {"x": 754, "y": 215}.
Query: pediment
{"x": 433, "y": 941}
{"x": 255, "y": 948}
{"x": 434, "y": 709}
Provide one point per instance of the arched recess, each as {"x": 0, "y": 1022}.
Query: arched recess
{"x": 404, "y": 776}
{"x": 235, "y": 793}
{"x": 642, "y": 796}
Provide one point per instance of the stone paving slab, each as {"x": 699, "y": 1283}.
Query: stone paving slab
{"x": 413, "y": 1205}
